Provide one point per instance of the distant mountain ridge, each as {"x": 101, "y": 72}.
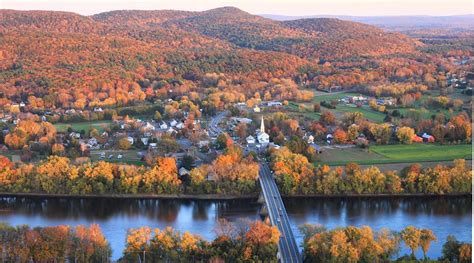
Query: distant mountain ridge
{"x": 315, "y": 38}
{"x": 396, "y": 22}
{"x": 42, "y": 52}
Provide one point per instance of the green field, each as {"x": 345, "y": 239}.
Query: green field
{"x": 129, "y": 156}
{"x": 78, "y": 126}
{"x": 329, "y": 96}
{"x": 366, "y": 110}
{"x": 386, "y": 154}
{"x": 424, "y": 152}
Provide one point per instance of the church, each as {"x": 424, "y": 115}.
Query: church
{"x": 262, "y": 137}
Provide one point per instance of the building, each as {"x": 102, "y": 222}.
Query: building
{"x": 262, "y": 137}
{"x": 173, "y": 123}
{"x": 250, "y": 140}
{"x": 256, "y": 109}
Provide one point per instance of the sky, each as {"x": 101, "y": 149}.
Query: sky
{"x": 277, "y": 7}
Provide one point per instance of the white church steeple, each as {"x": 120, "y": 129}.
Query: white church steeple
{"x": 262, "y": 137}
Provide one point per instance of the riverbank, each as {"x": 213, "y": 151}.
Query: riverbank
{"x": 218, "y": 197}
{"x": 444, "y": 215}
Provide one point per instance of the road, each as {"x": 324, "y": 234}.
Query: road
{"x": 213, "y": 127}
{"x": 287, "y": 246}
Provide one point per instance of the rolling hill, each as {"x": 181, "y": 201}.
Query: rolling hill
{"x": 45, "y": 51}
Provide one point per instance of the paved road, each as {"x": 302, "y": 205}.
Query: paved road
{"x": 213, "y": 127}
{"x": 287, "y": 246}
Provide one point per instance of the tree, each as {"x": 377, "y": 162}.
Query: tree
{"x": 465, "y": 253}
{"x": 223, "y": 141}
{"x": 157, "y": 116}
{"x": 411, "y": 236}
{"x": 317, "y": 107}
{"x": 381, "y": 132}
{"x": 187, "y": 162}
{"x": 327, "y": 118}
{"x": 124, "y": 144}
{"x": 426, "y": 237}
{"x": 57, "y": 149}
{"x": 241, "y": 131}
{"x": 405, "y": 135}
{"x": 340, "y": 136}
{"x": 138, "y": 242}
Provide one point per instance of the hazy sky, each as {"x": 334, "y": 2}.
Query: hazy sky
{"x": 281, "y": 7}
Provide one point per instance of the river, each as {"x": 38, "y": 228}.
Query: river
{"x": 444, "y": 215}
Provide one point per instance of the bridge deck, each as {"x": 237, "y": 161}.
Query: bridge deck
{"x": 278, "y": 217}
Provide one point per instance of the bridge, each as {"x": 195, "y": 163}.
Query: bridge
{"x": 274, "y": 207}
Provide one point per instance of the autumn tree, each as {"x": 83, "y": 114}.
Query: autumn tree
{"x": 124, "y": 144}
{"x": 426, "y": 237}
{"x": 412, "y": 237}
{"x": 405, "y": 135}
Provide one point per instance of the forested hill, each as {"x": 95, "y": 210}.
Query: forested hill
{"x": 307, "y": 38}
{"x": 45, "y": 53}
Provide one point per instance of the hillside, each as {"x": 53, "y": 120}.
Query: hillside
{"x": 45, "y": 53}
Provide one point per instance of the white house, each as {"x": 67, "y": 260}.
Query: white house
{"x": 310, "y": 139}
{"x": 274, "y": 103}
{"x": 262, "y": 137}
{"x": 180, "y": 125}
{"x": 171, "y": 130}
{"x": 144, "y": 140}
{"x": 130, "y": 139}
{"x": 148, "y": 126}
{"x": 163, "y": 125}
{"x": 92, "y": 141}
{"x": 250, "y": 139}
{"x": 183, "y": 171}
{"x": 173, "y": 123}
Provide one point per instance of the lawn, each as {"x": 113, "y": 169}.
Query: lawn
{"x": 366, "y": 110}
{"x": 78, "y": 126}
{"x": 424, "y": 152}
{"x": 329, "y": 96}
{"x": 385, "y": 154}
{"x": 129, "y": 156}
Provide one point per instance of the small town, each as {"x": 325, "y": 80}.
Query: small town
{"x": 178, "y": 131}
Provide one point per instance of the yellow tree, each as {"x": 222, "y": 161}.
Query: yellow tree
{"x": 411, "y": 236}
{"x": 405, "y": 135}
{"x": 426, "y": 236}
{"x": 138, "y": 241}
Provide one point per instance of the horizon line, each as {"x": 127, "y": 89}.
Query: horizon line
{"x": 258, "y": 14}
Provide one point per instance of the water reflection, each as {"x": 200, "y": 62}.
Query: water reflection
{"x": 444, "y": 215}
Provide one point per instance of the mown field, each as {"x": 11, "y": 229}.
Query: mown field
{"x": 385, "y": 154}
{"x": 128, "y": 156}
{"x": 86, "y": 126}
{"x": 425, "y": 152}
{"x": 341, "y": 108}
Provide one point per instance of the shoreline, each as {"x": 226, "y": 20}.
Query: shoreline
{"x": 219, "y": 197}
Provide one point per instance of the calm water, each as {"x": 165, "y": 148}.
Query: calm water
{"x": 443, "y": 215}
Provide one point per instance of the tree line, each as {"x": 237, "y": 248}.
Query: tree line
{"x": 296, "y": 175}
{"x": 363, "y": 244}
{"x": 242, "y": 241}
{"x": 230, "y": 173}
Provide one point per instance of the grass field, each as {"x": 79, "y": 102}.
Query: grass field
{"x": 366, "y": 110}
{"x": 425, "y": 152}
{"x": 386, "y": 154}
{"x": 129, "y": 156}
{"x": 78, "y": 126}
{"x": 329, "y": 96}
